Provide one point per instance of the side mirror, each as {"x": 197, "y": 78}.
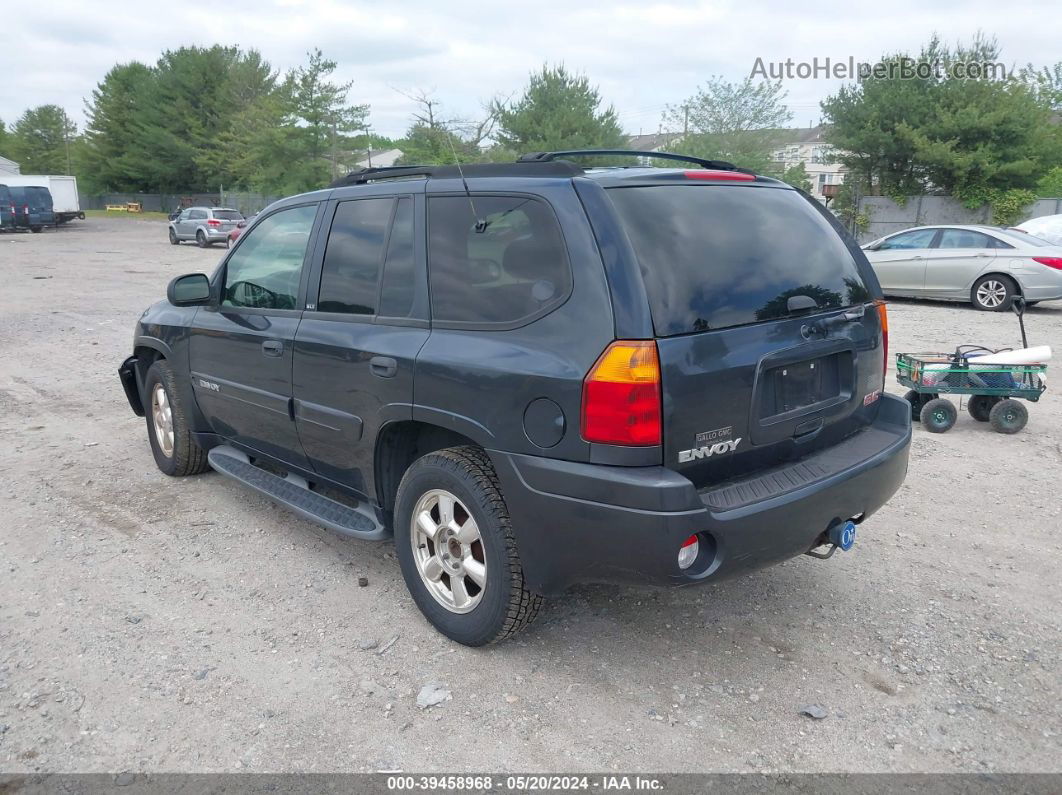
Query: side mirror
{"x": 192, "y": 289}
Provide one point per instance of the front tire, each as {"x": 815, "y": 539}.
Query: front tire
{"x": 36, "y": 229}
{"x": 993, "y": 293}
{"x": 174, "y": 241}
{"x": 176, "y": 453}
{"x": 938, "y": 415}
{"x": 455, "y": 544}
{"x": 1008, "y": 416}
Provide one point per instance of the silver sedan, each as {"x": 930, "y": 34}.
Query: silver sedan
{"x": 984, "y": 265}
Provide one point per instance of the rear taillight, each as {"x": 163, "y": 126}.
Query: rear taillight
{"x": 1051, "y": 262}
{"x": 213, "y": 222}
{"x": 621, "y": 396}
{"x": 25, "y": 209}
{"x": 883, "y": 321}
{"x": 708, "y": 173}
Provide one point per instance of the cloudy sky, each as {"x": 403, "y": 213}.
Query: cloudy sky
{"x": 643, "y": 56}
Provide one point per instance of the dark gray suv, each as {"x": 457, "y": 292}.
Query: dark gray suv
{"x": 534, "y": 374}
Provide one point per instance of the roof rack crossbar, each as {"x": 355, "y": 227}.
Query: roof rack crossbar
{"x": 545, "y": 157}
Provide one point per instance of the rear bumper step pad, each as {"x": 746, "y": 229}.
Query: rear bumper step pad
{"x": 358, "y": 522}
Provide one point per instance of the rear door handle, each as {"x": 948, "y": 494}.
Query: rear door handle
{"x": 273, "y": 348}
{"x": 383, "y": 366}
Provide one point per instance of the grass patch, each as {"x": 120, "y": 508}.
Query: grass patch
{"x": 144, "y": 216}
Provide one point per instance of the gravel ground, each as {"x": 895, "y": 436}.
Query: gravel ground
{"x": 158, "y": 624}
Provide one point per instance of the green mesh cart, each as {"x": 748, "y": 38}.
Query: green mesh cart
{"x": 993, "y": 388}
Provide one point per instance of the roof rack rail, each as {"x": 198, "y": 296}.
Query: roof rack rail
{"x": 543, "y": 168}
{"x": 545, "y": 157}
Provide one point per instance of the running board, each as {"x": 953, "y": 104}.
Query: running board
{"x": 294, "y": 493}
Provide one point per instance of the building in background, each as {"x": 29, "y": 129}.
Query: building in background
{"x": 9, "y": 166}
{"x": 381, "y": 158}
{"x": 807, "y": 146}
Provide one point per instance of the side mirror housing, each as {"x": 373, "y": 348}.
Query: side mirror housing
{"x": 192, "y": 289}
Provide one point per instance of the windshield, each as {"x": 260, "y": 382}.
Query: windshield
{"x": 720, "y": 256}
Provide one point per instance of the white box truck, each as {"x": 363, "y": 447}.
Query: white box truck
{"x": 65, "y": 203}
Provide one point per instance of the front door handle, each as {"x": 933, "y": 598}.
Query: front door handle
{"x": 383, "y": 366}
{"x": 273, "y": 348}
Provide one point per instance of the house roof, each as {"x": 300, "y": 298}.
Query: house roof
{"x": 653, "y": 142}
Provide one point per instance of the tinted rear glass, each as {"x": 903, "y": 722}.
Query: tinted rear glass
{"x": 720, "y": 256}
{"x": 42, "y": 197}
{"x": 228, "y": 215}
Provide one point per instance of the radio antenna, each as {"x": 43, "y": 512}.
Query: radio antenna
{"x": 481, "y": 225}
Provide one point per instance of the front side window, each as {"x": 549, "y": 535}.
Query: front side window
{"x": 921, "y": 238}
{"x": 351, "y": 271}
{"x": 263, "y": 272}
{"x": 512, "y": 267}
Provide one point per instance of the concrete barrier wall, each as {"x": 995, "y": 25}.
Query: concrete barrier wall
{"x": 887, "y": 216}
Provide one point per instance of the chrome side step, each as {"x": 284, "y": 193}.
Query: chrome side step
{"x": 294, "y": 493}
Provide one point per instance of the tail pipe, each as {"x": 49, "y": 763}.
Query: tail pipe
{"x": 839, "y": 535}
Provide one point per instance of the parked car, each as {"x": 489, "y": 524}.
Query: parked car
{"x": 7, "y": 209}
{"x": 204, "y": 225}
{"x": 651, "y": 376}
{"x": 1046, "y": 227}
{"x": 234, "y": 235}
{"x": 33, "y": 207}
{"x": 984, "y": 265}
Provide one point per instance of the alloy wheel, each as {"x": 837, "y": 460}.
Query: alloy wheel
{"x": 448, "y": 551}
{"x": 991, "y": 294}
{"x": 162, "y": 419}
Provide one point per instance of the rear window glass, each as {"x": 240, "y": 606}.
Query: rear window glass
{"x": 715, "y": 257}
{"x": 512, "y": 270}
{"x": 228, "y": 215}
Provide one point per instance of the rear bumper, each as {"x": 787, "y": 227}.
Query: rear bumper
{"x": 589, "y": 523}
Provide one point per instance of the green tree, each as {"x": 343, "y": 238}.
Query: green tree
{"x": 557, "y": 110}
{"x": 41, "y": 140}
{"x": 797, "y": 176}
{"x": 971, "y": 138}
{"x": 1046, "y": 84}
{"x": 434, "y": 138}
{"x": 113, "y": 129}
{"x": 323, "y": 115}
{"x": 737, "y": 122}
{"x": 1050, "y": 185}
{"x": 5, "y": 138}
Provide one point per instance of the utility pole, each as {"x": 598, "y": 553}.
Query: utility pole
{"x": 334, "y": 164}
{"x": 685, "y": 120}
{"x": 368, "y": 145}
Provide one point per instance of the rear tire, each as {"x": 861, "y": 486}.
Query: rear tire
{"x": 434, "y": 537}
{"x": 917, "y": 400}
{"x": 993, "y": 293}
{"x": 938, "y": 415}
{"x": 1008, "y": 416}
{"x": 176, "y": 453}
{"x": 200, "y": 239}
{"x": 980, "y": 406}
{"x": 36, "y": 229}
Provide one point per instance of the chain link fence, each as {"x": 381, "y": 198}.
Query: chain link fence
{"x": 246, "y": 203}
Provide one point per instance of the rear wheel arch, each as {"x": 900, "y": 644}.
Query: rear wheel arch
{"x": 401, "y": 443}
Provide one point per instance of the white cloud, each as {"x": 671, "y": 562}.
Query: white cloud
{"x": 643, "y": 56}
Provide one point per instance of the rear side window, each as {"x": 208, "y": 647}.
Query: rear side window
{"x": 719, "y": 256}
{"x": 964, "y": 238}
{"x": 351, "y": 271}
{"x": 514, "y": 269}
{"x": 42, "y": 197}
{"x": 396, "y": 294}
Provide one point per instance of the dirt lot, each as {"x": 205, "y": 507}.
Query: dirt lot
{"x": 149, "y": 623}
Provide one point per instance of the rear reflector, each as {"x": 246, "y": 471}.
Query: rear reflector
{"x": 708, "y": 173}
{"x": 621, "y": 396}
{"x": 1051, "y": 262}
{"x": 688, "y": 552}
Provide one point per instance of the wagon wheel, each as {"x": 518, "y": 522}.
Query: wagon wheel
{"x": 938, "y": 415}
{"x": 1008, "y": 416}
{"x": 917, "y": 400}
{"x": 980, "y": 406}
